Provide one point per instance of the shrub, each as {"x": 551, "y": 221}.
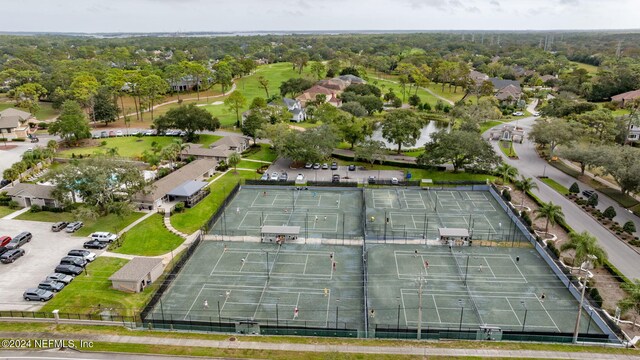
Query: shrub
{"x": 13, "y": 204}
{"x": 609, "y": 213}
{"x": 552, "y": 247}
{"x": 103, "y": 143}
{"x": 35, "y": 208}
{"x": 18, "y": 139}
{"x": 506, "y": 195}
{"x": 593, "y": 200}
{"x": 574, "y": 189}
{"x": 629, "y": 227}
{"x": 526, "y": 218}
{"x": 162, "y": 172}
{"x": 222, "y": 166}
{"x": 595, "y": 295}
{"x": 179, "y": 207}
{"x": 43, "y": 125}
{"x": 634, "y": 242}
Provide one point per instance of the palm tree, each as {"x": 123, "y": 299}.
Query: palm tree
{"x": 507, "y": 172}
{"x": 586, "y": 248}
{"x": 233, "y": 160}
{"x": 553, "y": 213}
{"x": 183, "y": 146}
{"x": 632, "y": 300}
{"x": 525, "y": 185}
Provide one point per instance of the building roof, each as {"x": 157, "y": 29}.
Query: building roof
{"x": 317, "y": 89}
{"x": 16, "y": 112}
{"x": 453, "y": 232}
{"x": 280, "y": 230}
{"x": 289, "y": 102}
{"x": 192, "y": 170}
{"x": 629, "y": 95}
{"x": 334, "y": 84}
{"x": 477, "y": 76}
{"x": 508, "y": 92}
{"x": 230, "y": 142}
{"x": 187, "y": 188}
{"x": 31, "y": 190}
{"x": 199, "y": 151}
{"x": 502, "y": 83}
{"x": 136, "y": 269}
{"x": 546, "y": 78}
{"x": 352, "y": 79}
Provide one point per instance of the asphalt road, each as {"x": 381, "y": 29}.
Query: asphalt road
{"x": 531, "y": 165}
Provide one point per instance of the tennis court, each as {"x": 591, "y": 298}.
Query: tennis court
{"x": 397, "y": 213}
{"x": 266, "y": 283}
{"x": 467, "y": 287}
{"x": 333, "y": 214}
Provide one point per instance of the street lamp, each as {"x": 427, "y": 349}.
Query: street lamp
{"x": 584, "y": 286}
{"x": 524, "y": 321}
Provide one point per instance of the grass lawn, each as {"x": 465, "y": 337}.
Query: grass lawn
{"x": 87, "y": 291}
{"x": 565, "y": 169}
{"x": 261, "y": 152}
{"x": 45, "y": 112}
{"x": 307, "y": 125}
{"x": 385, "y": 85}
{"x": 111, "y": 222}
{"x": 129, "y": 147}
{"x": 488, "y": 125}
{"x": 414, "y": 152}
{"x": 590, "y": 68}
{"x": 206, "y": 139}
{"x": 555, "y": 185}
{"x": 149, "y": 238}
{"x": 4, "y": 211}
{"x": 193, "y": 219}
{"x": 622, "y": 199}
{"x": 507, "y": 148}
{"x": 250, "y": 165}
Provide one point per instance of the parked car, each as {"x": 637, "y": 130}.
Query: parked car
{"x": 371, "y": 180}
{"x": 265, "y": 177}
{"x": 535, "y": 113}
{"x": 112, "y": 133}
{"x": 119, "y": 133}
{"x": 335, "y": 178}
{"x": 74, "y": 226}
{"x": 274, "y": 176}
{"x": 4, "y": 240}
{"x": 51, "y": 285}
{"x": 135, "y": 133}
{"x": 352, "y": 167}
{"x": 518, "y": 113}
{"x": 11, "y": 255}
{"x": 149, "y": 133}
{"x": 19, "y": 240}
{"x": 394, "y": 181}
{"x": 37, "y": 295}
{"x": 59, "y": 226}
{"x": 95, "y": 136}
{"x": 284, "y": 176}
{"x": 85, "y": 254}
{"x": 73, "y": 260}
{"x": 308, "y": 165}
{"x": 103, "y": 236}
{"x": 334, "y": 166}
{"x": 4, "y": 182}
{"x": 65, "y": 279}
{"x": 325, "y": 166}
{"x": 69, "y": 270}
{"x": 316, "y": 166}
{"x": 3, "y": 249}
{"x": 588, "y": 193}
{"x": 95, "y": 244}
{"x": 300, "y": 177}
{"x": 104, "y": 134}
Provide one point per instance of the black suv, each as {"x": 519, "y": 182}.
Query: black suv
{"x": 73, "y": 260}
{"x": 11, "y": 256}
{"x": 69, "y": 270}
{"x": 335, "y": 178}
{"x": 19, "y": 240}
{"x": 95, "y": 244}
{"x": 371, "y": 180}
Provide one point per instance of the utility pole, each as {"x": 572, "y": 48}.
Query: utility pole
{"x": 421, "y": 282}
{"x": 591, "y": 258}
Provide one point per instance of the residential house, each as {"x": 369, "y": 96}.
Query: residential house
{"x": 624, "y": 98}
{"x": 310, "y": 94}
{"x": 335, "y": 84}
{"x": 510, "y": 94}
{"x": 499, "y": 84}
{"x": 634, "y": 134}
{"x": 14, "y": 123}
{"x": 478, "y": 77}
{"x": 294, "y": 107}
{"x": 219, "y": 150}
{"x": 186, "y": 83}
{"x": 137, "y": 274}
{"x": 157, "y": 192}
{"x": 352, "y": 79}
{"x": 548, "y": 78}
{"x": 33, "y": 194}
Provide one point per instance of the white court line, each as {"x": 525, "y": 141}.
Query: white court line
{"x": 518, "y": 268}
{"x": 216, "y": 265}
{"x": 514, "y": 312}
{"x": 549, "y": 315}
{"x": 489, "y": 266}
{"x": 194, "y": 302}
{"x": 436, "y": 307}
{"x": 245, "y": 259}
{"x": 305, "y": 265}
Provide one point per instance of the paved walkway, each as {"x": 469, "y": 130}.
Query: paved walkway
{"x": 414, "y": 349}
{"x": 17, "y": 213}
{"x": 143, "y": 218}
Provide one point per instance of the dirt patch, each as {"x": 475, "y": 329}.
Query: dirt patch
{"x": 538, "y": 224}
{"x": 8, "y": 147}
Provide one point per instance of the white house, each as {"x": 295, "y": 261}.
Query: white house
{"x": 634, "y": 134}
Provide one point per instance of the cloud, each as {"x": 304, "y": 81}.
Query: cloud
{"x": 494, "y": 3}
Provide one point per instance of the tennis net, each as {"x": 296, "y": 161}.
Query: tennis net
{"x": 463, "y": 279}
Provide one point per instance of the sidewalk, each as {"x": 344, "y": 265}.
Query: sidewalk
{"x": 17, "y": 213}
{"x": 414, "y": 349}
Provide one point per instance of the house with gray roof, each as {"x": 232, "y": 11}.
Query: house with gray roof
{"x": 33, "y": 194}
{"x": 352, "y": 79}
{"x": 137, "y": 274}
{"x": 190, "y": 192}
{"x": 509, "y": 94}
{"x": 219, "y": 150}
{"x": 14, "y": 123}
{"x": 499, "y": 84}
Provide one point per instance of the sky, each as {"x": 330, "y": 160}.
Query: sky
{"x": 306, "y": 15}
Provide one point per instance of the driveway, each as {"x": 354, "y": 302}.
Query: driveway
{"x": 43, "y": 254}
{"x": 531, "y": 165}
{"x": 360, "y": 175}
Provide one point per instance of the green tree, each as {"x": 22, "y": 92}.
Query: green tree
{"x": 355, "y": 130}
{"x": 609, "y": 213}
{"x": 84, "y": 88}
{"x": 223, "y": 75}
{"x": 198, "y": 72}
{"x": 506, "y": 172}
{"x": 623, "y": 164}
{"x": 593, "y": 200}
{"x": 313, "y": 145}
{"x": 235, "y": 102}
{"x": 152, "y": 88}
{"x": 582, "y": 154}
{"x": 629, "y": 227}
{"x": 632, "y": 299}
{"x": 254, "y": 123}
{"x": 460, "y": 148}
{"x": 105, "y": 109}
{"x": 106, "y": 184}
{"x": 173, "y": 73}
{"x": 171, "y": 152}
{"x": 574, "y": 189}
{"x": 188, "y": 118}
{"x": 72, "y": 124}
{"x": 27, "y": 96}
{"x": 401, "y": 127}
{"x": 554, "y": 132}
{"x": 234, "y": 160}
{"x": 371, "y": 151}
{"x": 318, "y": 69}
{"x": 525, "y": 185}
{"x": 10, "y": 174}
{"x": 294, "y": 86}
{"x": 586, "y": 248}
{"x": 551, "y": 212}
{"x": 264, "y": 84}
{"x": 354, "y": 108}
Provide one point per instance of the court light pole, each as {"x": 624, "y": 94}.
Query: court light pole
{"x": 337, "y": 311}
{"x": 461, "y": 313}
{"x": 277, "y": 317}
{"x": 466, "y": 270}
{"x": 524, "y": 321}
{"x": 421, "y": 282}
{"x": 398, "y": 322}
{"x": 584, "y": 286}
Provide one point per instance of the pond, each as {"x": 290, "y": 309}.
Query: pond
{"x": 425, "y": 135}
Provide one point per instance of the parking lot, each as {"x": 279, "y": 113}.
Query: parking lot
{"x": 43, "y": 254}
{"x": 360, "y": 175}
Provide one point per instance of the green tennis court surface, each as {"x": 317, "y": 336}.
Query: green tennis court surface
{"x": 503, "y": 285}
{"x": 266, "y": 283}
{"x": 332, "y": 214}
{"x": 397, "y": 213}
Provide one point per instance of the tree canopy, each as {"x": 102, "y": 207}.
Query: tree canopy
{"x": 188, "y": 118}
{"x": 71, "y": 125}
{"x": 402, "y": 127}
{"x": 459, "y": 148}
